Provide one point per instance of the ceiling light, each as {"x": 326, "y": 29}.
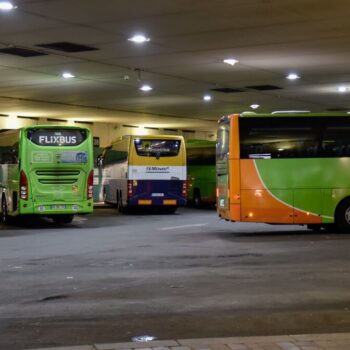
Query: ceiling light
{"x": 146, "y": 88}
{"x": 139, "y": 39}
{"x": 67, "y": 75}
{"x": 207, "y": 98}
{"x": 231, "y": 61}
{"x": 6, "y": 6}
{"x": 254, "y": 106}
{"x": 293, "y": 76}
{"x": 342, "y": 89}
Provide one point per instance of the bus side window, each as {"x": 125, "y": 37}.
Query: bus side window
{"x": 9, "y": 157}
{"x": 117, "y": 153}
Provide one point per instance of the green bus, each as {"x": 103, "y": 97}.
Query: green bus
{"x": 201, "y": 174}
{"x": 286, "y": 168}
{"x": 47, "y": 171}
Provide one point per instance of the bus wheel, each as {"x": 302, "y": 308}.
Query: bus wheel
{"x": 120, "y": 203}
{"x": 197, "y": 198}
{"x": 63, "y": 219}
{"x": 4, "y": 214}
{"x": 342, "y": 216}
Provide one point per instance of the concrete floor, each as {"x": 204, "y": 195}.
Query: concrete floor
{"x": 109, "y": 277}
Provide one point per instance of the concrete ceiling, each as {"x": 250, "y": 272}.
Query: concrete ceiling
{"x": 182, "y": 61}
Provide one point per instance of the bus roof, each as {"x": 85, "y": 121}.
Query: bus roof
{"x": 294, "y": 114}
{"x": 53, "y": 126}
{"x": 279, "y": 114}
{"x": 148, "y": 137}
{"x": 199, "y": 143}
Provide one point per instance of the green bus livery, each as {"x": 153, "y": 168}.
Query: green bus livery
{"x": 285, "y": 168}
{"x": 201, "y": 172}
{"x": 46, "y": 170}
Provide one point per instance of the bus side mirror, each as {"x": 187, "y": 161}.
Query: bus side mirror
{"x": 100, "y": 161}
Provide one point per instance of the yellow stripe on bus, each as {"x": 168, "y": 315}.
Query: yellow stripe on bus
{"x": 144, "y": 202}
{"x": 169, "y": 202}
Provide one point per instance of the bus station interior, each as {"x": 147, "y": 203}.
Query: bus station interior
{"x": 183, "y": 61}
{"x": 170, "y": 67}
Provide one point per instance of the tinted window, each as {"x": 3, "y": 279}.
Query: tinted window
{"x": 298, "y": 137}
{"x": 336, "y": 140}
{"x": 57, "y": 137}
{"x": 117, "y": 153}
{"x": 201, "y": 156}
{"x": 9, "y": 155}
{"x": 157, "y": 148}
{"x": 222, "y": 145}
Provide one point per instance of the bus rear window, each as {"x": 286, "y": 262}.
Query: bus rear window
{"x": 157, "y": 148}
{"x": 56, "y": 137}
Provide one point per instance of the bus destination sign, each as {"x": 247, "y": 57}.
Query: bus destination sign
{"x": 54, "y": 137}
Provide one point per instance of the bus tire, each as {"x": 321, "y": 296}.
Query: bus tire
{"x": 63, "y": 218}
{"x": 342, "y": 216}
{"x": 197, "y": 201}
{"x": 120, "y": 203}
{"x": 4, "y": 212}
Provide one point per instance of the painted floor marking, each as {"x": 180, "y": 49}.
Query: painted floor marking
{"x": 79, "y": 219}
{"x": 182, "y": 226}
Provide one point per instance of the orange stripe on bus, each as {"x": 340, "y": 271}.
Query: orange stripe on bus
{"x": 259, "y": 205}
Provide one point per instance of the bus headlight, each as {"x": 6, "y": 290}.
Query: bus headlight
{"x": 75, "y": 207}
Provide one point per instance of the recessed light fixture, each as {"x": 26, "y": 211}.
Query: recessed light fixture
{"x": 6, "y": 6}
{"x": 342, "y": 89}
{"x": 68, "y": 75}
{"x": 293, "y": 76}
{"x": 146, "y": 88}
{"x": 207, "y": 98}
{"x": 231, "y": 61}
{"x": 139, "y": 39}
{"x": 254, "y": 106}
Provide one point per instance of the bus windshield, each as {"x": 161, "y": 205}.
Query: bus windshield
{"x": 157, "y": 148}
{"x": 222, "y": 146}
{"x": 56, "y": 137}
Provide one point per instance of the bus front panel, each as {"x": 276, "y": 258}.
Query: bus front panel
{"x": 56, "y": 173}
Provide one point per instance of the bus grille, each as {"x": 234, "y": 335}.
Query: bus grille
{"x": 57, "y": 176}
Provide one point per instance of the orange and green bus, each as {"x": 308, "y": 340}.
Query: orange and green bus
{"x": 286, "y": 168}
{"x": 201, "y": 172}
{"x": 47, "y": 171}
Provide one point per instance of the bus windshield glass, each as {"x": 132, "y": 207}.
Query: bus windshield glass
{"x": 157, "y": 148}
{"x": 222, "y": 147}
{"x": 56, "y": 137}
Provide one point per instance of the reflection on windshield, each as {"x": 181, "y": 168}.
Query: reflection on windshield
{"x": 222, "y": 146}
{"x": 157, "y": 148}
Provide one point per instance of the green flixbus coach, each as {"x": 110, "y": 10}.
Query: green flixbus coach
{"x": 288, "y": 168}
{"x": 46, "y": 170}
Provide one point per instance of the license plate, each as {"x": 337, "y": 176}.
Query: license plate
{"x": 157, "y": 194}
{"x": 58, "y": 206}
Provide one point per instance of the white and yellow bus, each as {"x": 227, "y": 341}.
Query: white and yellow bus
{"x": 141, "y": 171}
